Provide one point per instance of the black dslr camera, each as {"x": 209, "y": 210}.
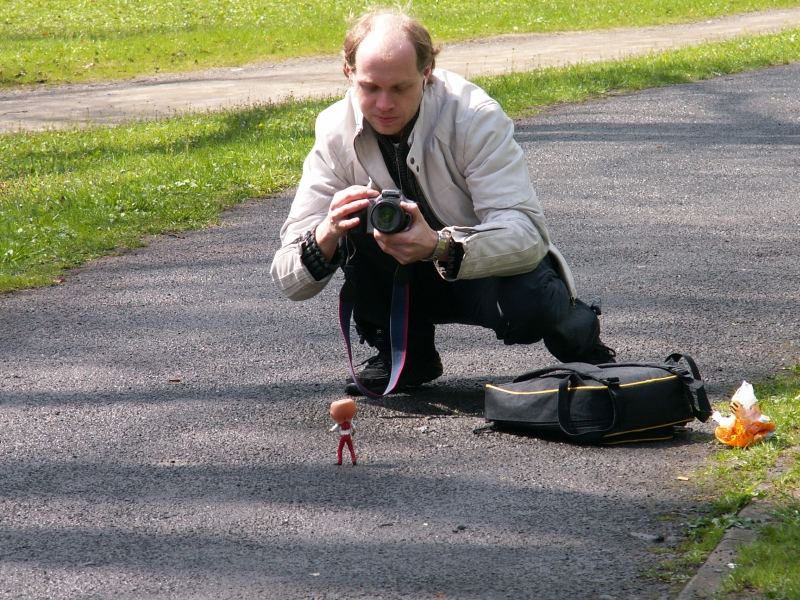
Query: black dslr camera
{"x": 384, "y": 214}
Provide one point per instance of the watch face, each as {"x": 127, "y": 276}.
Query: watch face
{"x": 441, "y": 244}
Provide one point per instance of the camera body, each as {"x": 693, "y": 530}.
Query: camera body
{"x": 384, "y": 214}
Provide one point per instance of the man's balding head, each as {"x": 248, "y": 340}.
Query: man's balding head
{"x": 385, "y": 30}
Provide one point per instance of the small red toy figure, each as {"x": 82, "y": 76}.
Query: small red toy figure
{"x": 343, "y": 411}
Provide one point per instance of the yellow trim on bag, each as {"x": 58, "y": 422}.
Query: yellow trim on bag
{"x": 650, "y": 439}
{"x": 684, "y": 421}
{"x": 582, "y": 387}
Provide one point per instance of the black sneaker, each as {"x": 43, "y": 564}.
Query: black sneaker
{"x": 375, "y": 375}
{"x": 600, "y": 354}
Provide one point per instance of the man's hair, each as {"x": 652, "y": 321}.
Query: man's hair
{"x": 415, "y": 31}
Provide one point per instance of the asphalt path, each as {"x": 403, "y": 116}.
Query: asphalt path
{"x": 164, "y": 421}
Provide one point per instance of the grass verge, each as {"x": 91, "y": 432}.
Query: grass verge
{"x": 69, "y": 196}
{"x": 768, "y": 567}
{"x": 57, "y": 41}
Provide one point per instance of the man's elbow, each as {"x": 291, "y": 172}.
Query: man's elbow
{"x": 295, "y": 288}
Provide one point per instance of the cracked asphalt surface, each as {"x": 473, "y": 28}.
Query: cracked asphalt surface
{"x": 164, "y": 412}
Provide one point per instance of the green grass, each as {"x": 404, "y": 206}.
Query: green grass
{"x": 69, "y": 196}
{"x": 767, "y": 568}
{"x": 59, "y": 41}
{"x": 66, "y": 197}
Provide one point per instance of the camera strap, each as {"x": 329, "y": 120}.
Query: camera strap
{"x": 398, "y": 331}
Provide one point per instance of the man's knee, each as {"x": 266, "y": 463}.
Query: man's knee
{"x": 574, "y": 337}
{"x": 532, "y": 304}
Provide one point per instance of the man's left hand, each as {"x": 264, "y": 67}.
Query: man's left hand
{"x": 412, "y": 245}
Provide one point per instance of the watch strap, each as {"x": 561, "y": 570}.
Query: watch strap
{"x": 442, "y": 244}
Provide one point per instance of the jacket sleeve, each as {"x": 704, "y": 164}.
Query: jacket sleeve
{"x": 511, "y": 236}
{"x": 321, "y": 179}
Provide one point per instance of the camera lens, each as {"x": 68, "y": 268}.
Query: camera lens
{"x": 388, "y": 217}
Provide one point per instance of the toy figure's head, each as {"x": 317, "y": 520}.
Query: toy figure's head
{"x": 343, "y": 410}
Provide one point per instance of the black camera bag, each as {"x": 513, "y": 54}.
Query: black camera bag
{"x": 606, "y": 404}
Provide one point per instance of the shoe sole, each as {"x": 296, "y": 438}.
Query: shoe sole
{"x": 351, "y": 389}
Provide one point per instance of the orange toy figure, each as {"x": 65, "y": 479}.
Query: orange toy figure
{"x": 746, "y": 426}
{"x": 343, "y": 411}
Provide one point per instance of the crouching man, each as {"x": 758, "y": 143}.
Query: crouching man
{"x": 475, "y": 245}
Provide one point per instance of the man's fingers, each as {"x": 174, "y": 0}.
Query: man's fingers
{"x": 352, "y": 194}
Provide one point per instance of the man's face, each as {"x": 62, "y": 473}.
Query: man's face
{"x": 386, "y": 82}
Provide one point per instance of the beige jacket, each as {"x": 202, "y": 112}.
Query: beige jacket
{"x": 471, "y": 170}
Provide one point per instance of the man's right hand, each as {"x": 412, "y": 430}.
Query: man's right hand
{"x": 341, "y": 216}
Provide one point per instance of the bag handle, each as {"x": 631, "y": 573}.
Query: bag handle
{"x": 692, "y": 383}
{"x": 597, "y": 373}
{"x": 585, "y": 370}
{"x": 589, "y": 435}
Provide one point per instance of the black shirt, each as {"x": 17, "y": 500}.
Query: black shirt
{"x": 395, "y": 149}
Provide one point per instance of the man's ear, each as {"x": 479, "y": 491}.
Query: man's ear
{"x": 426, "y": 75}
{"x": 348, "y": 71}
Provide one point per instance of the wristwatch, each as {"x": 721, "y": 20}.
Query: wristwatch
{"x": 442, "y": 243}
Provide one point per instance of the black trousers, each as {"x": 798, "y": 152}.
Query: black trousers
{"x": 520, "y": 309}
